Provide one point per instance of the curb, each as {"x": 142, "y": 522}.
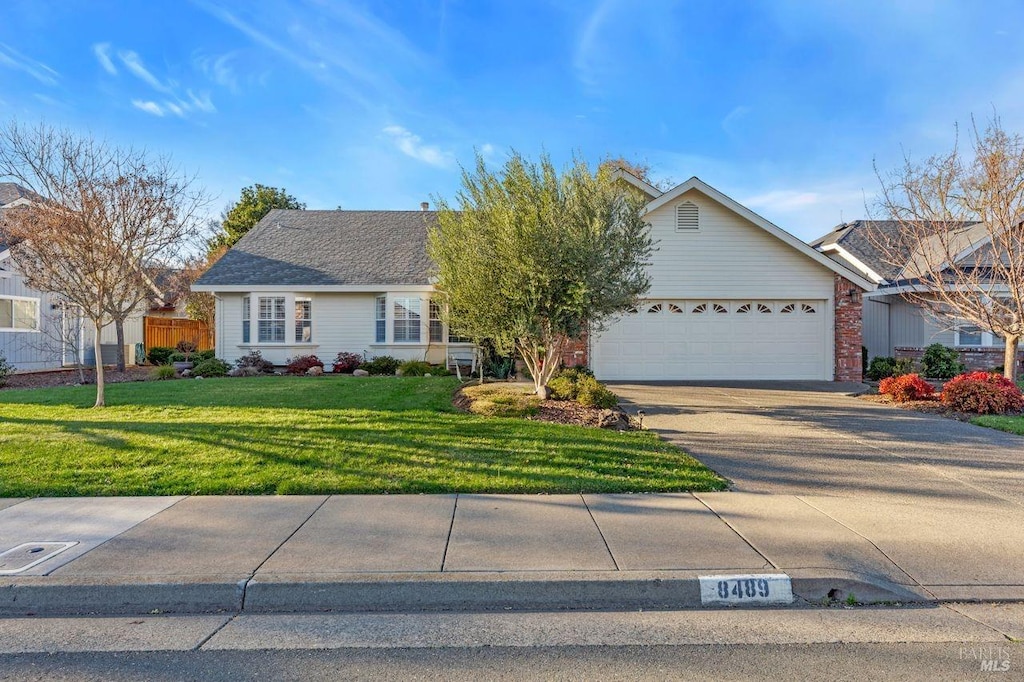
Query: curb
{"x": 425, "y": 592}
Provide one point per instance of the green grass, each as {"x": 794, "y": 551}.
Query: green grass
{"x": 293, "y": 435}
{"x": 1011, "y": 424}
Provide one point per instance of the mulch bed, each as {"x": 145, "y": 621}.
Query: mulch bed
{"x": 555, "y": 411}
{"x": 926, "y": 406}
{"x": 71, "y": 377}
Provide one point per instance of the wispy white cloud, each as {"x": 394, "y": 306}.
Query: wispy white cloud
{"x": 102, "y": 52}
{"x": 733, "y": 120}
{"x": 135, "y": 65}
{"x": 218, "y": 68}
{"x": 172, "y": 100}
{"x": 13, "y": 59}
{"x": 148, "y": 106}
{"x": 590, "y": 50}
{"x": 412, "y": 146}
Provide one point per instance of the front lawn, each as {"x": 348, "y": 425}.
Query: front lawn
{"x": 295, "y": 435}
{"x": 1011, "y": 424}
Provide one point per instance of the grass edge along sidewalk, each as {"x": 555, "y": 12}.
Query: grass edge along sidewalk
{"x": 312, "y": 435}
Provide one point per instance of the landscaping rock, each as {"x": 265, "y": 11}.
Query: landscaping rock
{"x": 360, "y": 373}
{"x": 315, "y": 371}
{"x": 613, "y": 419}
{"x": 186, "y": 372}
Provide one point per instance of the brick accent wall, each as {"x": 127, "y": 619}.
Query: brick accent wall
{"x": 976, "y": 359}
{"x": 849, "y": 336}
{"x": 575, "y": 352}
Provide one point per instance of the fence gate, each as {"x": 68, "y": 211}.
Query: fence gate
{"x": 167, "y": 332}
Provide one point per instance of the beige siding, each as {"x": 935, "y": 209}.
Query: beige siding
{"x": 341, "y": 322}
{"x": 728, "y": 257}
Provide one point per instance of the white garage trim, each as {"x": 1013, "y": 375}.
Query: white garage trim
{"x": 680, "y": 339}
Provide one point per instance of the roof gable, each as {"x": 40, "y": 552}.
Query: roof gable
{"x": 707, "y": 190}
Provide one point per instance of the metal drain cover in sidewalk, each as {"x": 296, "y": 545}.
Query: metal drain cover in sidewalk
{"x": 24, "y": 557}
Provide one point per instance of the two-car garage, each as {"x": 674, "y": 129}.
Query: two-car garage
{"x": 675, "y": 339}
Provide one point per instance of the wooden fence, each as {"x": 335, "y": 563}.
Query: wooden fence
{"x": 166, "y": 332}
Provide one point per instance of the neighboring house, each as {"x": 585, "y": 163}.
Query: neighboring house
{"x": 732, "y": 296}
{"x": 37, "y": 330}
{"x": 894, "y": 326}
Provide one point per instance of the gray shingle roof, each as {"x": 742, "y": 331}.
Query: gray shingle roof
{"x": 854, "y": 238}
{"x": 296, "y": 248}
{"x": 10, "y": 191}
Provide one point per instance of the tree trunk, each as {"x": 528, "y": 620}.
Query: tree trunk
{"x": 119, "y": 329}
{"x": 100, "y": 397}
{"x": 1010, "y": 358}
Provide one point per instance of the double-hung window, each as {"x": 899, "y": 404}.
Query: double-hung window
{"x": 436, "y": 324}
{"x": 303, "y": 320}
{"x": 246, "y": 317}
{"x": 19, "y": 314}
{"x": 407, "y": 320}
{"x": 381, "y": 318}
{"x": 273, "y": 318}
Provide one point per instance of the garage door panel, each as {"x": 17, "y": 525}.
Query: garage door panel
{"x": 752, "y": 340}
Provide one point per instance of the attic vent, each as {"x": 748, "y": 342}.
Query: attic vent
{"x": 687, "y": 217}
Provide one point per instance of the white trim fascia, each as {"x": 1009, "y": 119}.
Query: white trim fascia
{"x": 853, "y": 260}
{"x": 642, "y": 185}
{"x": 925, "y": 288}
{"x": 765, "y": 224}
{"x": 313, "y": 288}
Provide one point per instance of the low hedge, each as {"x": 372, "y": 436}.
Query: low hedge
{"x": 905, "y": 388}
{"x": 982, "y": 393}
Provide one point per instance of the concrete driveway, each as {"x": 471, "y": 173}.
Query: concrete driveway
{"x": 813, "y": 438}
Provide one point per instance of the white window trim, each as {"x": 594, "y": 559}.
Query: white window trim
{"x": 988, "y": 339}
{"x": 39, "y": 314}
{"x": 377, "y": 319}
{"x": 295, "y": 322}
{"x": 392, "y": 301}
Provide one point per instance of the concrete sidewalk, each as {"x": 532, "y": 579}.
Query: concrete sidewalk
{"x": 495, "y": 552}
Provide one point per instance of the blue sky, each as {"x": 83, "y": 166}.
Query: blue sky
{"x": 782, "y": 105}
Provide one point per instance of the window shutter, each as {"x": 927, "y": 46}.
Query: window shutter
{"x": 687, "y": 217}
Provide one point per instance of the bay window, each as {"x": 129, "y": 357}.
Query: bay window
{"x": 407, "y": 320}
{"x": 436, "y": 324}
{"x": 303, "y": 320}
{"x": 246, "y": 317}
{"x": 272, "y": 320}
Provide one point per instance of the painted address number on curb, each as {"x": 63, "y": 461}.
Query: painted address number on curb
{"x": 771, "y": 588}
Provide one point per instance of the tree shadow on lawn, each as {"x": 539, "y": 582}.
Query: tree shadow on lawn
{"x": 375, "y": 452}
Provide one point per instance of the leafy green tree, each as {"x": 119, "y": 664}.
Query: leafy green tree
{"x": 240, "y": 217}
{"x": 532, "y": 258}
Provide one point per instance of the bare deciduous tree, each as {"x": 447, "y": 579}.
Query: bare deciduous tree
{"x": 105, "y": 213}
{"x": 959, "y": 246}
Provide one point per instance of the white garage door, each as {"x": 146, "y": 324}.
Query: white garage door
{"x": 684, "y": 339}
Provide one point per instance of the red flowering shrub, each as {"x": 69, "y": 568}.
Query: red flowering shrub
{"x": 905, "y": 388}
{"x": 982, "y": 393}
{"x": 346, "y": 363}
{"x": 302, "y": 363}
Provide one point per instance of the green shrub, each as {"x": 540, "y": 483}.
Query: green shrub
{"x": 415, "y": 368}
{"x": 160, "y": 355}
{"x": 592, "y": 393}
{"x": 6, "y": 369}
{"x": 177, "y": 357}
{"x": 941, "y": 362}
{"x": 565, "y": 385}
{"x": 164, "y": 372}
{"x": 382, "y": 364}
{"x": 440, "y": 371}
{"x": 563, "y": 388}
{"x": 204, "y": 355}
{"x": 884, "y": 367}
{"x": 211, "y": 368}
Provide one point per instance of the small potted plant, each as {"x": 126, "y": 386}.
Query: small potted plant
{"x": 182, "y": 359}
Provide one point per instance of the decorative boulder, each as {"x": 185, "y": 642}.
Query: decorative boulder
{"x": 315, "y": 371}
{"x": 360, "y": 373}
{"x": 186, "y": 372}
{"x": 613, "y": 419}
